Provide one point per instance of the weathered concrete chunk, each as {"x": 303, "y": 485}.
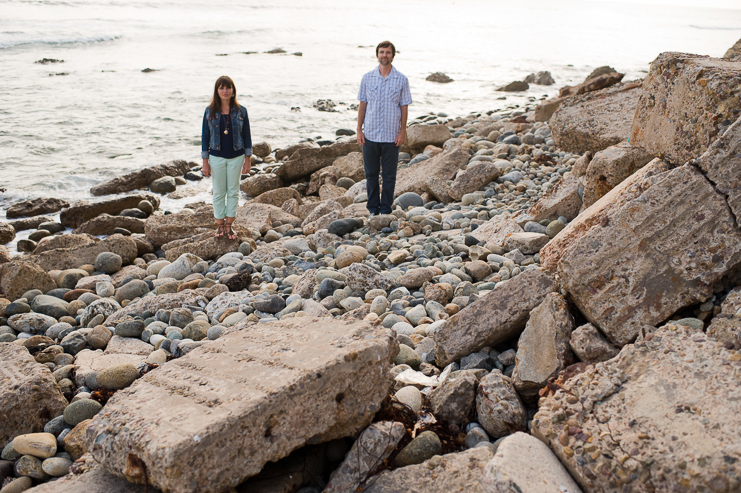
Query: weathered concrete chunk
{"x": 543, "y": 349}
{"x": 73, "y": 257}
{"x": 524, "y": 463}
{"x": 663, "y": 415}
{"x": 420, "y": 136}
{"x": 610, "y": 167}
{"x": 726, "y": 326}
{"x": 685, "y": 102}
{"x": 496, "y": 229}
{"x": 722, "y": 165}
{"x": 527, "y": 243}
{"x": 473, "y": 178}
{"x": 498, "y": 407}
{"x": 205, "y": 246}
{"x": 495, "y": 318}
{"x": 590, "y": 345}
{"x": 254, "y": 395}
{"x": 429, "y": 176}
{"x": 260, "y": 183}
{"x": 371, "y": 449}
{"x": 34, "y": 207}
{"x": 461, "y": 471}
{"x": 644, "y": 251}
{"x": 454, "y": 399}
{"x": 29, "y": 394}
{"x": 596, "y": 120}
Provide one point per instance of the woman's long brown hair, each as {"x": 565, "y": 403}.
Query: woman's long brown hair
{"x": 216, "y": 100}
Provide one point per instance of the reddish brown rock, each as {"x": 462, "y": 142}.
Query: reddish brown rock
{"x": 19, "y": 276}
{"x": 83, "y": 211}
{"x": 105, "y": 224}
{"x": 35, "y": 207}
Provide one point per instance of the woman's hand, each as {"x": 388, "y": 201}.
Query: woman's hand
{"x": 247, "y": 166}
{"x": 206, "y": 169}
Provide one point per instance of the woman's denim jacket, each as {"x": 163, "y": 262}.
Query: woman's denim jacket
{"x": 211, "y": 133}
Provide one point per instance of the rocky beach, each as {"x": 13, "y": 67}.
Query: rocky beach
{"x": 552, "y": 306}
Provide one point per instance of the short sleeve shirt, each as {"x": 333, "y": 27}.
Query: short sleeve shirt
{"x": 384, "y": 97}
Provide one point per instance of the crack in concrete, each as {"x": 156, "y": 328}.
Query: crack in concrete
{"x": 695, "y": 163}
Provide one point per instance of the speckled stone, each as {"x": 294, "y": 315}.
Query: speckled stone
{"x": 81, "y": 410}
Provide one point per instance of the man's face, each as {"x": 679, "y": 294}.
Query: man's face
{"x": 385, "y": 56}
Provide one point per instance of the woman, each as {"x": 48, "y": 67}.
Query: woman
{"x": 226, "y": 147}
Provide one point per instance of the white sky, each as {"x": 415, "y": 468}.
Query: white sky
{"x": 717, "y": 4}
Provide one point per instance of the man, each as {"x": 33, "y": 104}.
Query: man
{"x": 382, "y": 126}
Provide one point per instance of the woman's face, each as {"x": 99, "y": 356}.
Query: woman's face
{"x": 226, "y": 92}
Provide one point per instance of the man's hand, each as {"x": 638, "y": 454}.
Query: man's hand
{"x": 206, "y": 169}
{"x": 360, "y": 137}
{"x": 247, "y": 166}
{"x": 401, "y": 137}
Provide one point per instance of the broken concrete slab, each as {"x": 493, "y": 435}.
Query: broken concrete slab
{"x": 644, "y": 251}
{"x": 430, "y": 176}
{"x": 726, "y": 326}
{"x": 543, "y": 349}
{"x": 685, "y": 103}
{"x": 590, "y": 346}
{"x": 564, "y": 199}
{"x": 371, "y": 449}
{"x": 461, "y": 471}
{"x": 254, "y": 395}
{"x": 596, "y": 120}
{"x": 524, "y": 463}
{"x": 90, "y": 361}
{"x": 610, "y": 167}
{"x": 661, "y": 416}
{"x": 496, "y": 229}
{"x": 305, "y": 160}
{"x": 497, "y": 317}
{"x": 29, "y": 394}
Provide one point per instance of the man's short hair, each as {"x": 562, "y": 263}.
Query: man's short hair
{"x": 386, "y": 44}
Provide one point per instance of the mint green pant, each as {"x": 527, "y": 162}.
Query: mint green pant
{"x": 225, "y": 174}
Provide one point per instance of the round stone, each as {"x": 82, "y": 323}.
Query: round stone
{"x": 345, "y": 182}
{"x": 197, "y": 330}
{"x": 56, "y": 466}
{"x": 409, "y": 199}
{"x": 79, "y": 411}
{"x": 108, "y": 262}
{"x": 99, "y": 337}
{"x": 407, "y": 356}
{"x": 131, "y": 328}
{"x": 131, "y": 290}
{"x": 18, "y": 485}
{"x": 214, "y": 332}
{"x": 30, "y": 466}
{"x": 181, "y": 317}
{"x": 553, "y": 228}
{"x": 166, "y": 184}
{"x": 411, "y": 397}
{"x": 426, "y": 445}
{"x": 41, "y": 445}
{"x": 117, "y": 377}
{"x": 146, "y": 206}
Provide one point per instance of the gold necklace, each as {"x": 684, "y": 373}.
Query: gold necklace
{"x": 226, "y": 128}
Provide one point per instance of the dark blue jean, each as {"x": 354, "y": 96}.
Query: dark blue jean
{"x": 380, "y": 158}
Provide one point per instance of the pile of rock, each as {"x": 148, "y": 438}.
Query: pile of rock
{"x": 526, "y": 319}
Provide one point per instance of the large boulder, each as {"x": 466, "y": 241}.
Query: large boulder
{"x": 260, "y": 183}
{"x": 28, "y": 222}
{"x": 592, "y": 83}
{"x": 65, "y": 241}
{"x": 430, "y": 176}
{"x": 726, "y": 326}
{"x": 164, "y": 228}
{"x": 329, "y": 175}
{"x": 661, "y": 416}
{"x": 420, "y": 136}
{"x": 304, "y": 161}
{"x": 70, "y": 258}
{"x": 19, "y": 276}
{"x": 497, "y": 317}
{"x": 644, "y": 251}
{"x": 141, "y": 178}
{"x": 609, "y": 168}
{"x": 205, "y": 246}
{"x": 596, "y": 120}
{"x": 105, "y": 224}
{"x": 239, "y": 399}
{"x": 277, "y": 196}
{"x": 686, "y": 103}
{"x": 350, "y": 166}
{"x": 83, "y": 211}
{"x": 35, "y": 207}
{"x": 29, "y": 394}
{"x": 263, "y": 217}
{"x": 473, "y": 178}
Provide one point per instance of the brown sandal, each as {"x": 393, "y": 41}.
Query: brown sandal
{"x": 229, "y": 231}
{"x": 219, "y": 230}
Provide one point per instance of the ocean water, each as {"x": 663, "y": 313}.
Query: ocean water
{"x": 61, "y": 134}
